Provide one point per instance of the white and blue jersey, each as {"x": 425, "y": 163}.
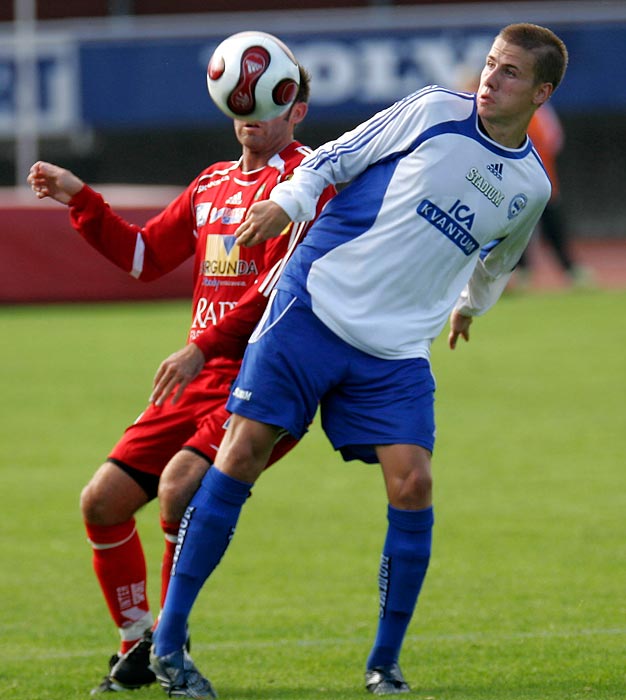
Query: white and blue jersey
{"x": 435, "y": 215}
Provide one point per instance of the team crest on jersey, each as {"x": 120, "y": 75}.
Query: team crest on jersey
{"x": 517, "y": 204}
{"x": 222, "y": 258}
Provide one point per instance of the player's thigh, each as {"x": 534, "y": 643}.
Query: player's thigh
{"x": 111, "y": 497}
{"x": 155, "y": 437}
{"x": 246, "y": 448}
{"x": 212, "y": 428}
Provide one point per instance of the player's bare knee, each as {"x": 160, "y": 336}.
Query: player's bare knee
{"x": 174, "y": 497}
{"x": 407, "y": 473}
{"x": 246, "y": 448}
{"x": 171, "y": 503}
{"x": 238, "y": 461}
{"x": 414, "y": 491}
{"x": 418, "y": 486}
{"x": 111, "y": 497}
{"x": 178, "y": 483}
{"x": 94, "y": 505}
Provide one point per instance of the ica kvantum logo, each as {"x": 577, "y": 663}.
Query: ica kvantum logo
{"x": 454, "y": 223}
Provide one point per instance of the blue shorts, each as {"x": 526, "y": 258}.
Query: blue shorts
{"x": 294, "y": 363}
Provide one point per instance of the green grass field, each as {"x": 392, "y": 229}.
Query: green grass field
{"x": 526, "y": 594}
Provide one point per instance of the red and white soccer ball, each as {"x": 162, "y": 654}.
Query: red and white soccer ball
{"x": 253, "y": 76}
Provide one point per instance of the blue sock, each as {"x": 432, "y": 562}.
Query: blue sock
{"x": 402, "y": 570}
{"x": 205, "y": 533}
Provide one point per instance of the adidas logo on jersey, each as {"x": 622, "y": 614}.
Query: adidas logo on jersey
{"x": 496, "y": 169}
{"x": 235, "y": 199}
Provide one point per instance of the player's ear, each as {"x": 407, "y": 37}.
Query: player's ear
{"x": 543, "y": 93}
{"x": 298, "y": 112}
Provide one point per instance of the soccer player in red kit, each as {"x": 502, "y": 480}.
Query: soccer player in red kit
{"x": 172, "y": 444}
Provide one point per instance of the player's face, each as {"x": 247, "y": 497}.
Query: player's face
{"x": 508, "y": 91}
{"x": 260, "y": 140}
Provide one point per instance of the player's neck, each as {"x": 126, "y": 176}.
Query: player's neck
{"x": 252, "y": 160}
{"x": 507, "y": 135}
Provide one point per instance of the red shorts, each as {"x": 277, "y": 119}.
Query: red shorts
{"x": 197, "y": 421}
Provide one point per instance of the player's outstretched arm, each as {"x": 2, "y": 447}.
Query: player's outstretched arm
{"x": 175, "y": 373}
{"x": 459, "y": 326}
{"x": 264, "y": 220}
{"x": 49, "y": 180}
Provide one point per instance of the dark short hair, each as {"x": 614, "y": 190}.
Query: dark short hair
{"x": 304, "y": 91}
{"x": 550, "y": 51}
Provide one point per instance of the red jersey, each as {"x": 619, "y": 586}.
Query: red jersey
{"x": 231, "y": 282}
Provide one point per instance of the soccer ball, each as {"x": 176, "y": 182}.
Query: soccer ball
{"x": 253, "y": 76}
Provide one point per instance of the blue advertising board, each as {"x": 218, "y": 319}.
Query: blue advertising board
{"x": 163, "y": 82}
{"x": 105, "y": 82}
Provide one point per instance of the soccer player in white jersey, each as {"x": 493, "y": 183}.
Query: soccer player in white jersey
{"x": 445, "y": 191}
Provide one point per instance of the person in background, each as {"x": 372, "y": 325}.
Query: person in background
{"x": 546, "y": 132}
{"x": 423, "y": 232}
{"x": 170, "y": 447}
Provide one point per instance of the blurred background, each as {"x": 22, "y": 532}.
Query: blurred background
{"x": 115, "y": 90}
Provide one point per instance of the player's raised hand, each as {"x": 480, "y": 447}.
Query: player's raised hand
{"x": 175, "y": 372}
{"x": 264, "y": 220}
{"x": 459, "y": 326}
{"x": 49, "y": 180}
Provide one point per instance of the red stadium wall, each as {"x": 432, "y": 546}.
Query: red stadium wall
{"x": 42, "y": 258}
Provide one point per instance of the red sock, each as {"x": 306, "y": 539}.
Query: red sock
{"x": 171, "y": 536}
{"x": 120, "y": 567}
